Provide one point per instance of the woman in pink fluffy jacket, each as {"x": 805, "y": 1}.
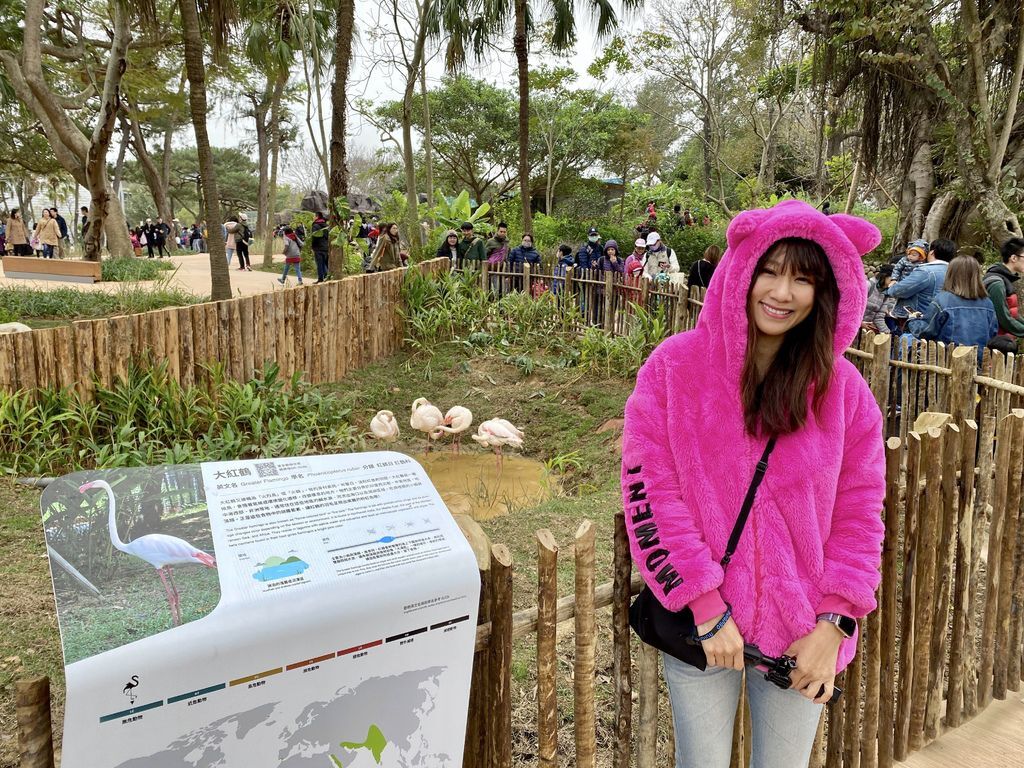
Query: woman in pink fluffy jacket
{"x": 766, "y": 358}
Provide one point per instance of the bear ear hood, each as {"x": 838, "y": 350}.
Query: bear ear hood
{"x": 844, "y": 239}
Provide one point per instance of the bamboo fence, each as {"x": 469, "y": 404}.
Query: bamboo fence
{"x": 323, "y": 331}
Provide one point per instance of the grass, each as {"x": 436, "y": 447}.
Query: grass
{"x": 128, "y": 268}
{"x": 42, "y": 307}
{"x": 561, "y": 409}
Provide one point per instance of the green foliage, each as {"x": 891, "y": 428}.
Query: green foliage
{"x": 23, "y": 303}
{"x": 128, "y": 268}
{"x": 151, "y": 419}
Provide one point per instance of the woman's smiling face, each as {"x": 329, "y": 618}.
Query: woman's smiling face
{"x": 780, "y": 299}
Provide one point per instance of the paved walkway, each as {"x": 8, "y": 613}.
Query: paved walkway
{"x": 993, "y": 739}
{"x": 192, "y": 275}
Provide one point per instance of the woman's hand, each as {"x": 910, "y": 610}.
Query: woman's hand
{"x": 725, "y": 649}
{"x": 816, "y": 656}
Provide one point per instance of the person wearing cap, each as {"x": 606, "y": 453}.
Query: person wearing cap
{"x": 919, "y": 288}
{"x": 243, "y": 239}
{"x": 914, "y": 256}
{"x": 661, "y": 260}
{"x": 634, "y": 266}
{"x": 471, "y": 248}
{"x": 591, "y": 252}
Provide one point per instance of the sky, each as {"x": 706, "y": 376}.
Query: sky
{"x": 369, "y": 76}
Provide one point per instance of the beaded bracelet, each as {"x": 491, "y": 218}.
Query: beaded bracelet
{"x": 715, "y": 629}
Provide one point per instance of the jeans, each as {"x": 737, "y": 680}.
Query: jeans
{"x": 704, "y": 708}
{"x": 230, "y": 252}
{"x": 298, "y": 272}
{"x": 47, "y": 251}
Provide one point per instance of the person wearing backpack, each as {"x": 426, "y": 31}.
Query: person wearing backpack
{"x": 757, "y": 412}
{"x": 292, "y": 255}
{"x": 243, "y": 239}
{"x": 1000, "y": 284}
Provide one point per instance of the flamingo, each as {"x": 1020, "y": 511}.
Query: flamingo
{"x": 427, "y": 418}
{"x": 157, "y": 549}
{"x": 384, "y": 426}
{"x": 130, "y": 686}
{"x": 497, "y": 433}
{"x": 456, "y": 421}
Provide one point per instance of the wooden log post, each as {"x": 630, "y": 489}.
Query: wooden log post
{"x": 944, "y": 569}
{"x": 962, "y": 389}
{"x": 547, "y": 657}
{"x": 930, "y": 522}
{"x": 907, "y": 629}
{"x": 852, "y": 703}
{"x": 584, "y": 717}
{"x": 962, "y": 602}
{"x": 475, "y": 750}
{"x": 526, "y": 279}
{"x": 35, "y": 729}
{"x": 982, "y": 507}
{"x": 1006, "y": 559}
{"x": 993, "y": 570}
{"x": 622, "y": 672}
{"x": 484, "y": 269}
{"x": 609, "y": 301}
{"x": 835, "y": 730}
{"x": 499, "y": 747}
{"x": 888, "y": 606}
{"x": 818, "y": 750}
{"x": 647, "y": 730}
{"x": 879, "y": 377}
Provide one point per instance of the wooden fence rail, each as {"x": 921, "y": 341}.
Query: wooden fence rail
{"x": 325, "y": 331}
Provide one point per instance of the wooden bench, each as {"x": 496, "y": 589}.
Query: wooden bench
{"x": 66, "y": 270}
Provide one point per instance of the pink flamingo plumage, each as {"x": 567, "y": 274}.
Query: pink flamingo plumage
{"x": 497, "y": 433}
{"x": 158, "y": 549}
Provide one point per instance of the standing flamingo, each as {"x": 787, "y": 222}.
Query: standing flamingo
{"x": 497, "y": 433}
{"x": 456, "y": 421}
{"x": 384, "y": 426}
{"x": 130, "y": 686}
{"x": 427, "y": 418}
{"x": 157, "y": 549}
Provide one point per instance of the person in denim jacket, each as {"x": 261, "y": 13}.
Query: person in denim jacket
{"x": 961, "y": 313}
{"x": 921, "y": 286}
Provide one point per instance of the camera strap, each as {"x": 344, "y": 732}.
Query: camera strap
{"x": 748, "y": 503}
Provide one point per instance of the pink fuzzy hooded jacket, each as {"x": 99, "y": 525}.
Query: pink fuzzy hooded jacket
{"x": 813, "y": 541}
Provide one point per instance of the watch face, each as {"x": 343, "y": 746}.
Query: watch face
{"x": 847, "y": 625}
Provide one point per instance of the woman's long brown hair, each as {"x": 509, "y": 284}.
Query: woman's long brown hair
{"x": 777, "y": 404}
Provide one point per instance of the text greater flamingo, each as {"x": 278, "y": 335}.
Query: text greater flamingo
{"x": 496, "y": 434}
{"x": 384, "y": 426}
{"x": 158, "y": 549}
{"x": 427, "y": 418}
{"x": 456, "y": 421}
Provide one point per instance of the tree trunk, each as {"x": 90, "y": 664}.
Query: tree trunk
{"x": 274, "y": 145}
{"x": 428, "y": 150}
{"x": 96, "y": 160}
{"x": 941, "y": 207}
{"x": 154, "y": 179}
{"x": 1002, "y": 222}
{"x": 412, "y": 201}
{"x": 521, "y": 45}
{"x": 118, "y": 166}
{"x": 706, "y": 132}
{"x": 922, "y": 178}
{"x": 259, "y": 108}
{"x": 220, "y": 280}
{"x": 337, "y": 188}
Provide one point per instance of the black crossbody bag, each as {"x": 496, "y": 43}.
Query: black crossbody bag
{"x": 675, "y": 633}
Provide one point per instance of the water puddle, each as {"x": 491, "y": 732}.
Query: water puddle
{"x": 470, "y": 483}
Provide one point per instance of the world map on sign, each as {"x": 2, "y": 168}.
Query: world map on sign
{"x": 383, "y": 721}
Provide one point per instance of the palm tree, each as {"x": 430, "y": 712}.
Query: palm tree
{"x": 337, "y": 185}
{"x": 474, "y": 27}
{"x": 217, "y": 17}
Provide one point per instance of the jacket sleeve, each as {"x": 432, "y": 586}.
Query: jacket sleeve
{"x": 665, "y": 535}
{"x": 1010, "y": 324}
{"x": 878, "y": 317}
{"x": 909, "y": 286}
{"x": 935, "y": 320}
{"x": 853, "y": 550}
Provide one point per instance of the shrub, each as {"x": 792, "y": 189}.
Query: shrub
{"x": 21, "y": 303}
{"x": 127, "y": 268}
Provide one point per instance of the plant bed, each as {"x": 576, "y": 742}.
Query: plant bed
{"x": 131, "y": 268}
{"x": 40, "y": 308}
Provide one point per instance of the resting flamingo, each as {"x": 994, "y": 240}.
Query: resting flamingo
{"x": 456, "y": 421}
{"x": 384, "y": 426}
{"x": 426, "y": 417}
{"x": 157, "y": 549}
{"x": 497, "y": 433}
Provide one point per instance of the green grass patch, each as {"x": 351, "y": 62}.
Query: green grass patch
{"x": 128, "y": 268}
{"x": 18, "y": 303}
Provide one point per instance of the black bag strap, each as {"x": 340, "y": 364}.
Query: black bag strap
{"x": 748, "y": 502}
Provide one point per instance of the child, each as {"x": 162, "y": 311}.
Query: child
{"x": 136, "y": 244}
{"x": 917, "y": 252}
{"x": 565, "y": 260}
{"x": 292, "y": 255}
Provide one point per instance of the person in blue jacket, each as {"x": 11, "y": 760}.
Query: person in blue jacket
{"x": 591, "y": 252}
{"x": 961, "y": 313}
{"x": 921, "y": 286}
{"x": 524, "y": 254}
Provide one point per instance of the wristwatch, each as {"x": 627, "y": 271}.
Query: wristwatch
{"x": 844, "y": 624}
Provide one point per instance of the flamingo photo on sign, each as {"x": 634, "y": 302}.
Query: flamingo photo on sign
{"x": 133, "y": 555}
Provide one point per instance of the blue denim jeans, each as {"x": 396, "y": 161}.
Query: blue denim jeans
{"x": 704, "y": 707}
{"x": 298, "y": 272}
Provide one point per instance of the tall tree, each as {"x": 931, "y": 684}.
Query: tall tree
{"x": 82, "y": 155}
{"x": 484, "y": 18}
{"x": 345, "y": 12}
{"x": 217, "y": 16}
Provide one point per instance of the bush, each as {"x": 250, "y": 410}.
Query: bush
{"x": 128, "y": 268}
{"x": 22, "y": 303}
{"x": 151, "y": 419}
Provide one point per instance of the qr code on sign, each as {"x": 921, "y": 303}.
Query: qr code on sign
{"x": 266, "y": 469}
